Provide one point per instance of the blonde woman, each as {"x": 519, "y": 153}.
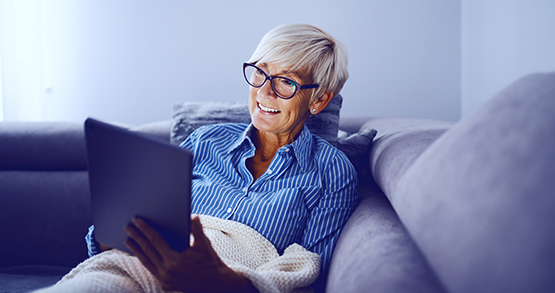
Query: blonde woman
{"x": 272, "y": 175}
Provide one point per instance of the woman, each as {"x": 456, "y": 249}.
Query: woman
{"x": 272, "y": 175}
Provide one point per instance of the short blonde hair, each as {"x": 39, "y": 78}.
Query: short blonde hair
{"x": 307, "y": 49}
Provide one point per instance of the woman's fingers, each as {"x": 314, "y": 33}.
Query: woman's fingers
{"x": 152, "y": 235}
{"x": 198, "y": 233}
{"x": 142, "y": 245}
{"x": 144, "y": 228}
{"x": 138, "y": 252}
{"x": 195, "y": 269}
{"x": 103, "y": 247}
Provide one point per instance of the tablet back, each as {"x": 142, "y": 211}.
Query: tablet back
{"x": 134, "y": 175}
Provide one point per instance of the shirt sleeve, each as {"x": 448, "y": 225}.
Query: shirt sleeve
{"x": 92, "y": 245}
{"x": 339, "y": 200}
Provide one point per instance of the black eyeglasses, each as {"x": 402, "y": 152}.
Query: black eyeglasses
{"x": 283, "y": 87}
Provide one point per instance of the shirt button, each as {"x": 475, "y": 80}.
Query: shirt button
{"x": 270, "y": 171}
{"x": 245, "y": 189}
{"x": 287, "y": 150}
{"x": 229, "y": 210}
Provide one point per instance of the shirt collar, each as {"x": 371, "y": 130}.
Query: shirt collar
{"x": 301, "y": 147}
{"x": 245, "y": 135}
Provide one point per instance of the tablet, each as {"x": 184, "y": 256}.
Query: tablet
{"x": 133, "y": 175}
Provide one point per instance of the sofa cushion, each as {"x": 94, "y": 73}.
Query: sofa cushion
{"x": 46, "y": 215}
{"x": 480, "y": 202}
{"x": 376, "y": 254}
{"x": 352, "y": 124}
{"x": 399, "y": 143}
{"x": 42, "y": 146}
{"x": 159, "y": 130}
{"x": 20, "y": 279}
{"x": 188, "y": 116}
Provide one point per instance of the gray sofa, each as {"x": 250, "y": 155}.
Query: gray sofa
{"x": 464, "y": 207}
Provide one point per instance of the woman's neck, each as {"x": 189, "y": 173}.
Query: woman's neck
{"x": 267, "y": 144}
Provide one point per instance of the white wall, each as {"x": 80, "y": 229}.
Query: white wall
{"x": 130, "y": 60}
{"x": 503, "y": 40}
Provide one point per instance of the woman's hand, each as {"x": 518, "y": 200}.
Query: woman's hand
{"x": 196, "y": 269}
{"x": 103, "y": 247}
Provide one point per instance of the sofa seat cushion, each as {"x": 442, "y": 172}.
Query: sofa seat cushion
{"x": 19, "y": 279}
{"x": 46, "y": 215}
{"x": 376, "y": 254}
{"x": 479, "y": 201}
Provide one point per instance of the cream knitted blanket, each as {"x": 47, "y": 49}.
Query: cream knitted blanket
{"x": 240, "y": 247}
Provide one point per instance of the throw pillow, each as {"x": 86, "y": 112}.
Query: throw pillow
{"x": 188, "y": 116}
{"x": 326, "y": 123}
{"x": 357, "y": 147}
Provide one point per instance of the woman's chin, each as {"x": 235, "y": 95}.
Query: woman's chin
{"x": 264, "y": 125}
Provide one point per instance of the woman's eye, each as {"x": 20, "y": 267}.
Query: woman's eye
{"x": 290, "y": 83}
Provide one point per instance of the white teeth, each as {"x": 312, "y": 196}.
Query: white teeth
{"x": 268, "y": 109}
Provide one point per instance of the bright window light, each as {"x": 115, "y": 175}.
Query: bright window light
{"x": 1, "y": 90}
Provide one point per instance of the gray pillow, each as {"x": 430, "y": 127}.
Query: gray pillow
{"x": 188, "y": 116}
{"x": 326, "y": 123}
{"x": 357, "y": 147}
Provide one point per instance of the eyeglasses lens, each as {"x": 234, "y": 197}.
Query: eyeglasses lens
{"x": 254, "y": 76}
{"x": 283, "y": 87}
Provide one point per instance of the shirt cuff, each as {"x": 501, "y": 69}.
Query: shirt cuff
{"x": 92, "y": 245}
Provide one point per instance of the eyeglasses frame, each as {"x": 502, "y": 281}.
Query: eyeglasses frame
{"x": 298, "y": 86}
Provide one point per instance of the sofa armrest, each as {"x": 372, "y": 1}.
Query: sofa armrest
{"x": 398, "y": 143}
{"x": 352, "y": 124}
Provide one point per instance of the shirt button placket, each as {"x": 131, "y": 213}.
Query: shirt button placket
{"x": 245, "y": 190}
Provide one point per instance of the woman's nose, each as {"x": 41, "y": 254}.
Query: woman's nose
{"x": 266, "y": 90}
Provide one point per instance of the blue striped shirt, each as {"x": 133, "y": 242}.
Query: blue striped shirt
{"x": 305, "y": 196}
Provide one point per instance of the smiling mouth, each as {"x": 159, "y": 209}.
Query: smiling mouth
{"x": 266, "y": 109}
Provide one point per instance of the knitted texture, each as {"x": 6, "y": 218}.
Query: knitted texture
{"x": 246, "y": 251}
{"x": 240, "y": 247}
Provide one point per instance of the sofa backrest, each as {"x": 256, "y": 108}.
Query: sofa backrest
{"x": 44, "y": 194}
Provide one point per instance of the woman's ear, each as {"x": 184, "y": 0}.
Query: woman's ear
{"x": 321, "y": 103}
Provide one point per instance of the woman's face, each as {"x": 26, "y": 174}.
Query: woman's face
{"x": 272, "y": 114}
